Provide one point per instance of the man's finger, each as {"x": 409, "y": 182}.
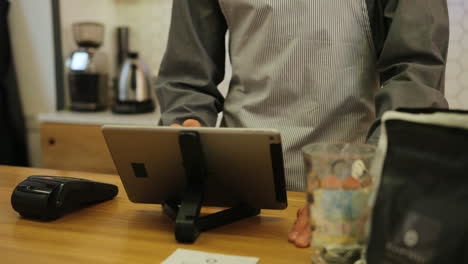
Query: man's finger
{"x": 191, "y": 123}
{"x": 303, "y": 239}
{"x": 300, "y": 211}
{"x": 301, "y": 224}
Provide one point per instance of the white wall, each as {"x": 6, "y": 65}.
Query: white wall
{"x": 32, "y": 41}
{"x": 457, "y": 67}
{"x": 148, "y": 21}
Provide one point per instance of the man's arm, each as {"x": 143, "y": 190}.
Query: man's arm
{"x": 193, "y": 64}
{"x": 411, "y": 38}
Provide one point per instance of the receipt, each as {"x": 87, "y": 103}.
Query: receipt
{"x": 184, "y": 256}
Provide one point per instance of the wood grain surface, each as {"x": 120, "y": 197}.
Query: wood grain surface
{"x": 75, "y": 147}
{"x": 119, "y": 231}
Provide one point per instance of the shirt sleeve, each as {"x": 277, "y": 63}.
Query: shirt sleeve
{"x": 193, "y": 64}
{"x": 412, "y": 55}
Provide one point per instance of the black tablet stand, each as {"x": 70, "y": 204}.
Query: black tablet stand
{"x": 189, "y": 223}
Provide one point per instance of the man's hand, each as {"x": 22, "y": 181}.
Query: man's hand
{"x": 188, "y": 123}
{"x": 300, "y": 233}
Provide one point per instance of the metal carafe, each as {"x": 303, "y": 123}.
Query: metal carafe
{"x": 134, "y": 92}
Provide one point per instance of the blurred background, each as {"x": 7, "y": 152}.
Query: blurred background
{"x": 43, "y": 44}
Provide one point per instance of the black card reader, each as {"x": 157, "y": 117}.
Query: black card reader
{"x": 50, "y": 197}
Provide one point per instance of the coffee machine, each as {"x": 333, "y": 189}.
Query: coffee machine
{"x": 87, "y": 69}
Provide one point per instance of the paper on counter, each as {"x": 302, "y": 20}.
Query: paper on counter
{"x": 185, "y": 256}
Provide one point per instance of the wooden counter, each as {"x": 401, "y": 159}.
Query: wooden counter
{"x": 74, "y": 140}
{"x": 119, "y": 231}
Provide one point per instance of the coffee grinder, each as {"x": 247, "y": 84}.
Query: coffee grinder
{"x": 87, "y": 69}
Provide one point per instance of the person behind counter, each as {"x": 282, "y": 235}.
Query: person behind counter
{"x": 318, "y": 71}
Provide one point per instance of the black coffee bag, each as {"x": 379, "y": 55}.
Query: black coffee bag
{"x": 420, "y": 214}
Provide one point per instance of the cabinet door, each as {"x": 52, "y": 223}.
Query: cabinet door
{"x": 75, "y": 147}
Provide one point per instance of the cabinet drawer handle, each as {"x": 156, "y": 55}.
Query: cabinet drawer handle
{"x": 51, "y": 141}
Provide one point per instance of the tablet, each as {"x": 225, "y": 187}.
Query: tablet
{"x": 244, "y": 166}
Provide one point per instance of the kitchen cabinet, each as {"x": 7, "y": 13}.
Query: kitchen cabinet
{"x": 74, "y": 141}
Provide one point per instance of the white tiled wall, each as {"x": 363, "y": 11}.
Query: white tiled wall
{"x": 457, "y": 68}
